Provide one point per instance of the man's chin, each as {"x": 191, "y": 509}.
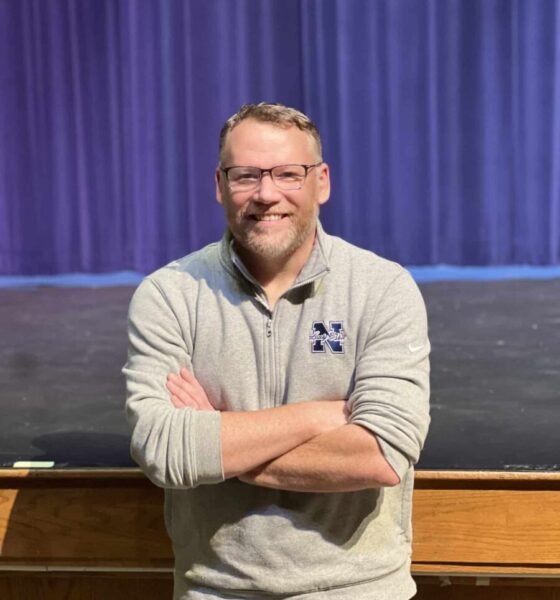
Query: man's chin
{"x": 271, "y": 245}
{"x": 269, "y": 250}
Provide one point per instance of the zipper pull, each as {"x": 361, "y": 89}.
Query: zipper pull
{"x": 268, "y": 327}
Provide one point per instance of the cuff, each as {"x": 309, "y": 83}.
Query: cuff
{"x": 206, "y": 448}
{"x": 398, "y": 461}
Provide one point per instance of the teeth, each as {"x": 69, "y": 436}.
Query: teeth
{"x": 267, "y": 217}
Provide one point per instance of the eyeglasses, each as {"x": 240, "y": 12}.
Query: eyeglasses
{"x": 285, "y": 177}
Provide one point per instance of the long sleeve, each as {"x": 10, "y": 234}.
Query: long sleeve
{"x": 176, "y": 448}
{"x": 391, "y": 393}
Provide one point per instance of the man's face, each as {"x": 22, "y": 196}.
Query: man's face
{"x": 268, "y": 222}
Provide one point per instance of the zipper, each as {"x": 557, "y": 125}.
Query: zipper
{"x": 272, "y": 359}
{"x": 274, "y": 382}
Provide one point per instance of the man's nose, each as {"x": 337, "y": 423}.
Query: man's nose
{"x": 267, "y": 190}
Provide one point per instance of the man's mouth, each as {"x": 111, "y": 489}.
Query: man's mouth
{"x": 268, "y": 217}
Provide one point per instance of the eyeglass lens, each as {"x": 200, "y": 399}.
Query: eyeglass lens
{"x": 287, "y": 177}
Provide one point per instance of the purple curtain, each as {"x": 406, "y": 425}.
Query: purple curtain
{"x": 441, "y": 123}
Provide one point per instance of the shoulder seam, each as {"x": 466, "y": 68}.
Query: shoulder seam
{"x": 401, "y": 272}
{"x": 164, "y": 297}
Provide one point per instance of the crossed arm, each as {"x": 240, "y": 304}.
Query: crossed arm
{"x": 307, "y": 447}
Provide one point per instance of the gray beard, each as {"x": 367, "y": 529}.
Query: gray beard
{"x": 270, "y": 249}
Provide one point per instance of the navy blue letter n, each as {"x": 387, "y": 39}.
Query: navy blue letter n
{"x": 332, "y": 337}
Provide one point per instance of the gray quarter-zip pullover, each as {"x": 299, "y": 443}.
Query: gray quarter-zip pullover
{"x": 352, "y": 326}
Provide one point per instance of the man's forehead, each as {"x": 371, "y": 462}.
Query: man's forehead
{"x": 262, "y": 136}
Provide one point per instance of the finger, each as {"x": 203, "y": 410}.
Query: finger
{"x": 184, "y": 395}
{"x": 195, "y": 387}
{"x": 187, "y": 375}
{"x": 180, "y": 391}
{"x": 180, "y": 383}
{"x": 192, "y": 389}
{"x": 177, "y": 401}
{"x": 175, "y": 398}
{"x": 192, "y": 385}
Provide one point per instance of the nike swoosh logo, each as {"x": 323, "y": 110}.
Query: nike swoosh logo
{"x": 414, "y": 348}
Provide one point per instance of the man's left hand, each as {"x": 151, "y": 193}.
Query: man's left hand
{"x": 186, "y": 391}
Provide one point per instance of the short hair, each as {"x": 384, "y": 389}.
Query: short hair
{"x": 275, "y": 113}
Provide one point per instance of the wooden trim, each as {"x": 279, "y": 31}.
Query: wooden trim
{"x": 480, "y": 570}
{"x": 77, "y": 569}
{"x": 487, "y": 475}
{"x": 135, "y": 473}
{"x": 72, "y": 474}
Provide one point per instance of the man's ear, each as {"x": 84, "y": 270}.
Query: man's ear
{"x": 324, "y": 183}
{"x": 218, "y": 177}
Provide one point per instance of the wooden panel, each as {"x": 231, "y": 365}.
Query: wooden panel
{"x": 148, "y": 587}
{"x": 75, "y": 525}
{"x": 84, "y": 587}
{"x": 472, "y": 592}
{"x": 487, "y": 526}
{"x": 111, "y": 518}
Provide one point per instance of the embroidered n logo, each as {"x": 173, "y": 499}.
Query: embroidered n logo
{"x": 333, "y": 337}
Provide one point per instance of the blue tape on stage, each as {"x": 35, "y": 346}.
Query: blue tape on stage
{"x": 420, "y": 274}
{"x": 122, "y": 278}
{"x": 454, "y": 273}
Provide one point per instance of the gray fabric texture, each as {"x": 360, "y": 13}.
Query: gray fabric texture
{"x": 205, "y": 312}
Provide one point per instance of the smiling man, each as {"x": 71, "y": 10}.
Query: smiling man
{"x": 272, "y": 218}
{"x": 278, "y": 387}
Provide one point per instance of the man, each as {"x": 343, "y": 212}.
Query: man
{"x": 278, "y": 387}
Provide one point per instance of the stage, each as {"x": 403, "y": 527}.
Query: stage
{"x": 487, "y": 495}
{"x": 495, "y": 376}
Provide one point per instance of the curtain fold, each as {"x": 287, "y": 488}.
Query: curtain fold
{"x": 440, "y": 121}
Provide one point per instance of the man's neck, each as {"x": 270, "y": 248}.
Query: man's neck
{"x": 276, "y": 276}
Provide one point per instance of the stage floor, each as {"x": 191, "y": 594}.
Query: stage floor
{"x": 495, "y": 376}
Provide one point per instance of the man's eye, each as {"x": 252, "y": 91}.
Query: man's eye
{"x": 289, "y": 175}
{"x": 244, "y": 177}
